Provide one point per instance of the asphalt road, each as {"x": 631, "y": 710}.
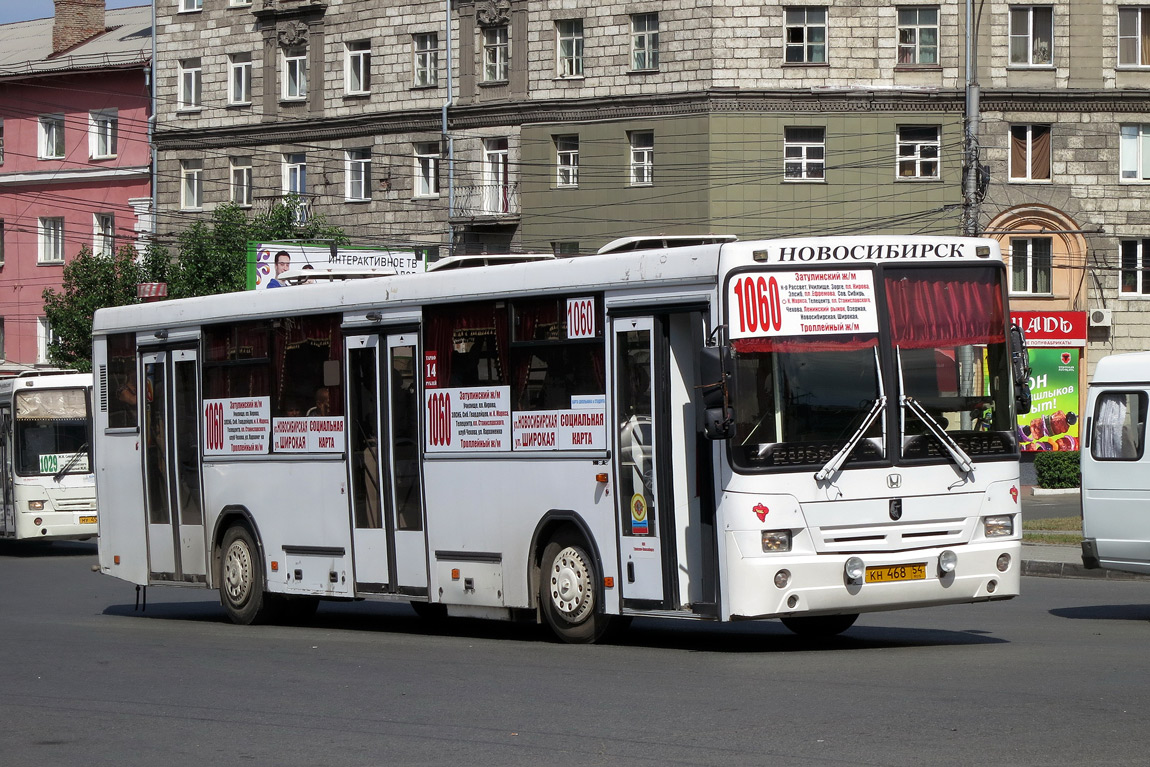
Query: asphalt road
{"x": 1054, "y": 677}
{"x": 1051, "y": 506}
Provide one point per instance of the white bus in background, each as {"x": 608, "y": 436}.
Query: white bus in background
{"x": 690, "y": 428}
{"x": 1115, "y": 465}
{"x": 49, "y": 491}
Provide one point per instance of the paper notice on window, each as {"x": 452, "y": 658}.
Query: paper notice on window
{"x": 801, "y": 303}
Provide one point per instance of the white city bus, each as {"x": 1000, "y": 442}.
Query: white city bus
{"x": 49, "y": 491}
{"x": 710, "y": 429}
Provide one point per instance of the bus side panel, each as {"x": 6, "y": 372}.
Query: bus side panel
{"x": 300, "y": 510}
{"x": 483, "y": 506}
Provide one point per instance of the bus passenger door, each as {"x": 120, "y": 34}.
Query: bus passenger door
{"x": 387, "y": 500}
{"x": 8, "y": 512}
{"x": 646, "y": 540}
{"x": 171, "y": 454}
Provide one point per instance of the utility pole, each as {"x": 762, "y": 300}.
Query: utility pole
{"x": 970, "y": 207}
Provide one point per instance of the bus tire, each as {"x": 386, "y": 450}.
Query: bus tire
{"x": 242, "y": 578}
{"x": 820, "y": 626}
{"x": 568, "y": 588}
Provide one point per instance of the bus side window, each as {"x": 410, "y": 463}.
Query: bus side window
{"x": 122, "y": 408}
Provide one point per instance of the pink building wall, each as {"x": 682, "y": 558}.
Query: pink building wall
{"x": 74, "y": 188}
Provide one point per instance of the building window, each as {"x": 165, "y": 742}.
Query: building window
{"x": 567, "y": 161}
{"x": 191, "y": 184}
{"x": 189, "y": 84}
{"x": 918, "y": 36}
{"x": 1135, "y": 153}
{"x": 103, "y": 234}
{"x": 1, "y": 243}
{"x": 644, "y": 41}
{"x": 565, "y": 248}
{"x": 806, "y": 36}
{"x": 357, "y": 70}
{"x": 642, "y": 157}
{"x": 103, "y": 126}
{"x": 1135, "y": 275}
{"x": 918, "y": 151}
{"x": 240, "y": 82}
{"x": 1032, "y": 36}
{"x": 804, "y": 154}
{"x": 496, "y": 54}
{"x": 1, "y": 141}
{"x": 1029, "y": 152}
{"x": 426, "y": 68}
{"x": 1031, "y": 265}
{"x": 239, "y": 3}
{"x": 427, "y": 170}
{"x": 3, "y": 355}
{"x": 294, "y": 73}
{"x": 45, "y": 337}
{"x": 496, "y": 185}
{"x": 187, "y": 6}
{"x": 357, "y": 170}
{"x": 295, "y": 174}
{"x": 1134, "y": 37}
{"x": 52, "y": 137}
{"x": 241, "y": 181}
{"x": 569, "y": 48}
{"x": 51, "y": 241}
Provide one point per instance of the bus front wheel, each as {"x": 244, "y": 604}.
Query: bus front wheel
{"x": 242, "y": 578}
{"x": 568, "y": 583}
{"x": 816, "y": 626}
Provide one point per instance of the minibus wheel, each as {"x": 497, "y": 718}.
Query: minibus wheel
{"x": 816, "y": 626}
{"x": 568, "y": 589}
{"x": 242, "y": 577}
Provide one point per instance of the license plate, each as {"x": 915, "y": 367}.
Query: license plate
{"x": 87, "y": 520}
{"x": 915, "y": 572}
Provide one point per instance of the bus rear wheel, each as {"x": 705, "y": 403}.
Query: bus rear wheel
{"x": 242, "y": 578}
{"x": 568, "y": 583}
{"x": 820, "y": 626}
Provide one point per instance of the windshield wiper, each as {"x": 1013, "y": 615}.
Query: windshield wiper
{"x": 840, "y": 457}
{"x": 957, "y": 453}
{"x": 71, "y": 462}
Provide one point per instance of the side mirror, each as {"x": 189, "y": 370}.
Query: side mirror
{"x": 1020, "y": 368}
{"x": 718, "y": 417}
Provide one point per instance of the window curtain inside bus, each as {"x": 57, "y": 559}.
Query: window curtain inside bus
{"x": 302, "y": 346}
{"x": 797, "y": 345}
{"x": 927, "y": 311}
{"x": 238, "y": 343}
{"x": 465, "y": 335}
{"x": 561, "y": 367}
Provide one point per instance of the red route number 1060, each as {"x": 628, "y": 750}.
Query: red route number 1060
{"x": 759, "y": 304}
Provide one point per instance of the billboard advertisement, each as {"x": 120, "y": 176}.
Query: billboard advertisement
{"x": 1052, "y": 423}
{"x": 268, "y": 260}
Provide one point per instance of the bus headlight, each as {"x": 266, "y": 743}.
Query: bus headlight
{"x": 853, "y": 569}
{"x": 947, "y": 561}
{"x": 997, "y": 527}
{"x": 776, "y": 540}
{"x": 35, "y": 505}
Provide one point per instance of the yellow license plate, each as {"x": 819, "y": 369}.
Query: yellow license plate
{"x": 915, "y": 572}
{"x": 87, "y": 520}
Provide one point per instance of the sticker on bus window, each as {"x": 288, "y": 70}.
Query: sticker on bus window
{"x": 639, "y": 524}
{"x": 315, "y": 434}
{"x": 581, "y": 318}
{"x": 240, "y": 426}
{"x": 801, "y": 303}
{"x": 430, "y": 370}
{"x": 584, "y": 429}
{"x": 468, "y": 420}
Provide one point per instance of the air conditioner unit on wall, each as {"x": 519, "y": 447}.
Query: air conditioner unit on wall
{"x": 1100, "y": 318}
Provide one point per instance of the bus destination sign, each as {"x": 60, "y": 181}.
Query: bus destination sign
{"x": 800, "y": 303}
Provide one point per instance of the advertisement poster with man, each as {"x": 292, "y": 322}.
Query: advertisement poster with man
{"x": 268, "y": 262}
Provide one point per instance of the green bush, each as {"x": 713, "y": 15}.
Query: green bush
{"x": 1057, "y": 470}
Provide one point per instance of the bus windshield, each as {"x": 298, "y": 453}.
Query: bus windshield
{"x": 51, "y": 434}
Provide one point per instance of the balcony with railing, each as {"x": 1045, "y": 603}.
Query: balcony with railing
{"x": 491, "y": 203}
{"x": 300, "y": 204}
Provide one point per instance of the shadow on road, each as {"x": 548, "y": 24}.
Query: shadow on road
{"x": 1105, "y": 613}
{"x": 48, "y": 549}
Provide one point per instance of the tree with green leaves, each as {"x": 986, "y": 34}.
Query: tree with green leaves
{"x": 212, "y": 259}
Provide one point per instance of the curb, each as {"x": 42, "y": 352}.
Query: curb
{"x": 1054, "y": 490}
{"x": 1040, "y": 568}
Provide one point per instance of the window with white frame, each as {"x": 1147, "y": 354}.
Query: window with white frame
{"x": 191, "y": 184}
{"x": 1029, "y": 152}
{"x": 241, "y": 181}
{"x": 1134, "y": 37}
{"x": 45, "y": 337}
{"x": 569, "y": 48}
{"x": 103, "y": 126}
{"x": 496, "y": 54}
{"x": 190, "y": 75}
{"x": 1134, "y": 154}
{"x": 295, "y": 173}
{"x": 103, "y": 234}
{"x": 1031, "y": 265}
{"x": 427, "y": 169}
{"x": 425, "y": 46}
{"x": 1031, "y": 36}
{"x": 804, "y": 154}
{"x": 642, "y": 143}
{"x": 1, "y": 141}
{"x": 51, "y": 241}
{"x": 186, "y": 6}
{"x": 496, "y": 184}
{"x": 238, "y": 3}
{"x": 1, "y": 242}
{"x": 918, "y": 36}
{"x": 240, "y": 81}
{"x": 806, "y": 36}
{"x": 294, "y": 73}
{"x": 644, "y": 41}
{"x": 357, "y": 67}
{"x": 51, "y": 142}
{"x": 357, "y": 171}
{"x": 567, "y": 161}
{"x": 918, "y": 151}
{"x": 3, "y": 355}
{"x": 1135, "y": 267}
